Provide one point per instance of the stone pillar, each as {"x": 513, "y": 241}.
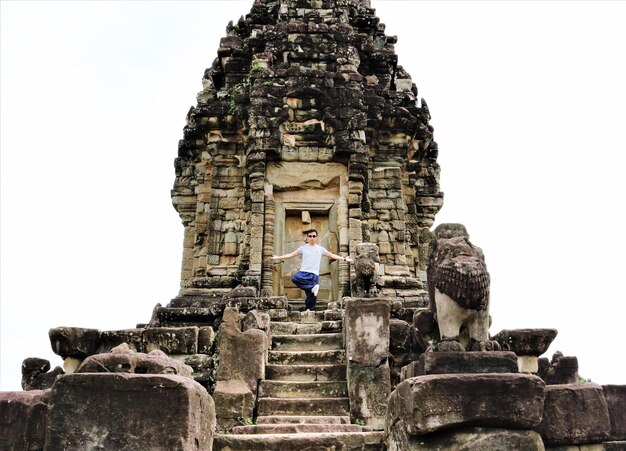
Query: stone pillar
{"x": 267, "y": 288}
{"x": 366, "y": 329}
{"x": 257, "y": 220}
{"x": 344, "y": 241}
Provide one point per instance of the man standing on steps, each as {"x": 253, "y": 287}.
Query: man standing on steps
{"x": 307, "y": 278}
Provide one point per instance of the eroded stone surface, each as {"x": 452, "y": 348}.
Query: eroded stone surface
{"x": 129, "y": 411}
{"x": 23, "y": 419}
{"x": 616, "y": 402}
{"x": 466, "y": 362}
{"x": 74, "y": 342}
{"x": 241, "y": 354}
{"x": 36, "y": 374}
{"x": 109, "y": 339}
{"x": 366, "y": 324}
{"x": 123, "y": 360}
{"x": 574, "y": 414}
{"x": 369, "y": 388}
{"x": 234, "y": 400}
{"x": 467, "y": 439}
{"x": 526, "y": 342}
{"x": 559, "y": 370}
{"x": 171, "y": 340}
{"x": 426, "y": 404}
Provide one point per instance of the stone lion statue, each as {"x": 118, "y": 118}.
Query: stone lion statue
{"x": 366, "y": 280}
{"x": 458, "y": 285}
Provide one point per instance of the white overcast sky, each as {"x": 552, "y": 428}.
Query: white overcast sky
{"x": 528, "y": 102}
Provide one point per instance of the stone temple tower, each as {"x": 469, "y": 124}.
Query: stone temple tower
{"x": 305, "y": 120}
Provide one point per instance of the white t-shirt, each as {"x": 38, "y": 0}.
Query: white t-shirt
{"x": 311, "y": 258}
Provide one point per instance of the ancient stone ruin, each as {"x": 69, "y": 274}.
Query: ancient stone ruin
{"x": 306, "y": 121}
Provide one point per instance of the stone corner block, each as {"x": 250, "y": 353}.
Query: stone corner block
{"x": 574, "y": 414}
{"x": 616, "y": 402}
{"x": 129, "y": 411}
{"x": 23, "y": 419}
{"x": 426, "y": 404}
{"x": 74, "y": 342}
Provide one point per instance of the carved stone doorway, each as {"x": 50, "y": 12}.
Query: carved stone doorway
{"x": 296, "y": 225}
{"x": 293, "y": 219}
{"x": 308, "y": 196}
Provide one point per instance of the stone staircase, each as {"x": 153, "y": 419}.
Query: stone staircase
{"x": 303, "y": 402}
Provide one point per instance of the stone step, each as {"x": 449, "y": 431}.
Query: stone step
{"x": 304, "y": 406}
{"x": 333, "y": 357}
{"x": 302, "y": 419}
{"x": 295, "y": 304}
{"x": 297, "y": 389}
{"x": 307, "y": 342}
{"x": 305, "y": 372}
{"x": 319, "y": 316}
{"x": 297, "y": 428}
{"x": 290, "y": 328}
{"x": 192, "y": 316}
{"x": 329, "y": 441}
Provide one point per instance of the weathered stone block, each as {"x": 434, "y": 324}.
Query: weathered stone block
{"x": 560, "y": 370}
{"x": 574, "y": 414}
{"x": 231, "y": 315}
{"x": 468, "y": 439}
{"x": 615, "y": 396}
{"x": 23, "y": 418}
{"x": 366, "y": 325}
{"x": 426, "y": 404}
{"x": 526, "y": 341}
{"x": 123, "y": 360}
{"x": 109, "y": 339}
{"x": 36, "y": 374}
{"x": 369, "y": 387}
{"x": 171, "y": 340}
{"x": 129, "y": 411}
{"x": 233, "y": 400}
{"x": 401, "y": 336}
{"x": 74, "y": 341}
{"x": 241, "y": 355}
{"x": 467, "y": 362}
{"x": 255, "y": 320}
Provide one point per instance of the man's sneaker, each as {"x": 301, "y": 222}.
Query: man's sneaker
{"x": 315, "y": 289}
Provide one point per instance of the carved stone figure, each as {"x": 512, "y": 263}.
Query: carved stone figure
{"x": 458, "y": 284}
{"x": 366, "y": 280}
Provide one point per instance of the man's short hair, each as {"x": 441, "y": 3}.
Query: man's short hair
{"x": 311, "y": 230}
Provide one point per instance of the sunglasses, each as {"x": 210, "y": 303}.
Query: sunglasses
{"x": 312, "y": 236}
